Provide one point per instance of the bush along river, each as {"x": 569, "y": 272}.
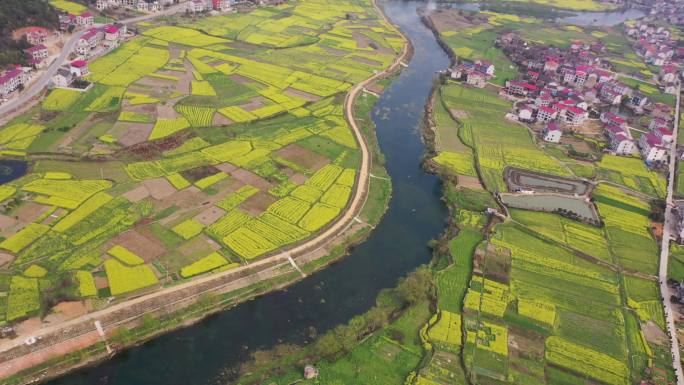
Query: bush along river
{"x": 204, "y": 352}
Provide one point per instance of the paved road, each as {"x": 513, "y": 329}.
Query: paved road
{"x": 169, "y": 11}
{"x": 38, "y": 86}
{"x": 665, "y": 248}
{"x": 310, "y": 247}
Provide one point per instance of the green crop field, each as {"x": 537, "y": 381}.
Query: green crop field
{"x": 188, "y": 138}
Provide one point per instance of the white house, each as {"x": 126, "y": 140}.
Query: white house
{"x": 620, "y": 141}
{"x": 62, "y": 78}
{"x": 575, "y": 116}
{"x": 652, "y": 148}
{"x": 195, "y": 6}
{"x": 546, "y": 114}
{"x": 552, "y": 133}
{"x": 525, "y": 114}
{"x": 11, "y": 80}
{"x": 79, "y": 68}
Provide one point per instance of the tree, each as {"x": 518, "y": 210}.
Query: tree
{"x": 415, "y": 287}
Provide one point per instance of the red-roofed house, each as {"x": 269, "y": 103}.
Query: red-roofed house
{"x": 36, "y": 35}
{"x": 612, "y": 119}
{"x": 485, "y": 67}
{"x": 37, "y": 54}
{"x": 85, "y": 19}
{"x": 89, "y": 41}
{"x": 79, "y": 68}
{"x": 11, "y": 80}
{"x": 668, "y": 73}
{"x": 664, "y": 133}
{"x": 620, "y": 141}
{"x": 652, "y": 148}
{"x": 552, "y": 133}
{"x": 221, "y": 5}
{"x": 546, "y": 114}
{"x": 658, "y": 123}
{"x": 111, "y": 36}
{"x": 575, "y": 116}
{"x": 520, "y": 88}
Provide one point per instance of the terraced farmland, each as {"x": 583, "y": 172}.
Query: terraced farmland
{"x": 191, "y": 154}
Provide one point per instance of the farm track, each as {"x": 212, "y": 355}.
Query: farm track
{"x": 76, "y": 334}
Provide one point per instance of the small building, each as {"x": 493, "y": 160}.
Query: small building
{"x": 476, "y": 79}
{"x": 664, "y": 133}
{"x": 657, "y": 123}
{"x": 575, "y": 116}
{"x": 195, "y": 6}
{"x": 221, "y": 5}
{"x": 519, "y": 88}
{"x": 85, "y": 19}
{"x": 62, "y": 78}
{"x": 11, "y": 80}
{"x": 552, "y": 133}
{"x": 37, "y": 54}
{"x": 485, "y": 67}
{"x": 621, "y": 142}
{"x": 36, "y": 35}
{"x": 79, "y": 68}
{"x": 612, "y": 119}
{"x": 525, "y": 114}
{"x": 546, "y": 114}
{"x": 668, "y": 73}
{"x": 652, "y": 148}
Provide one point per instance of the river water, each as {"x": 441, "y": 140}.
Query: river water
{"x": 587, "y": 19}
{"x": 205, "y": 353}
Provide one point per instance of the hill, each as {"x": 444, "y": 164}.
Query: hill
{"x": 21, "y": 13}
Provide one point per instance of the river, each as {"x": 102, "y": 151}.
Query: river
{"x": 204, "y": 353}
{"x": 586, "y": 19}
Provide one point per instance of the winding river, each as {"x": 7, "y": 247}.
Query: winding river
{"x": 205, "y": 353}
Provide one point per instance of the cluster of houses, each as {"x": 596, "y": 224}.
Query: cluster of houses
{"x": 107, "y": 37}
{"x": 476, "y": 73}
{"x": 157, "y": 5}
{"x": 138, "y": 5}
{"x": 561, "y": 87}
{"x": 669, "y": 10}
{"x": 95, "y": 40}
{"x": 657, "y": 47}
{"x": 70, "y": 20}
{"x": 195, "y": 6}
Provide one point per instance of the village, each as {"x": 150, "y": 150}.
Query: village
{"x": 95, "y": 40}
{"x": 575, "y": 91}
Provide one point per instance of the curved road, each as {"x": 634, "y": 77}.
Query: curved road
{"x": 38, "y": 86}
{"x": 311, "y": 246}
